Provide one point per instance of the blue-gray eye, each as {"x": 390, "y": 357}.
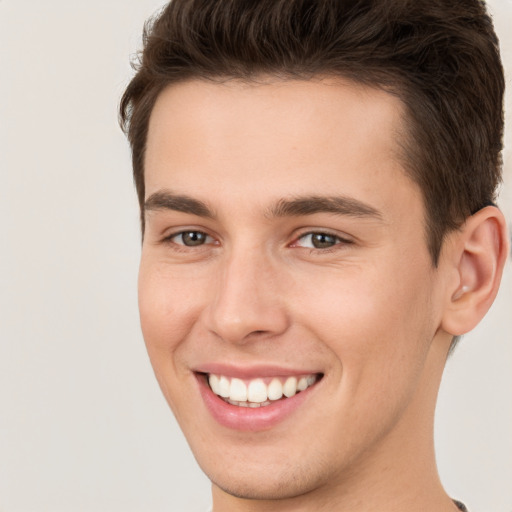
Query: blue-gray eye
{"x": 323, "y": 240}
{"x": 318, "y": 240}
{"x": 191, "y": 238}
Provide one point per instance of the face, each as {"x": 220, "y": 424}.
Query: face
{"x": 287, "y": 296}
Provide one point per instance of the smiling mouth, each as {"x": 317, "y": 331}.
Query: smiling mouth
{"x": 259, "y": 392}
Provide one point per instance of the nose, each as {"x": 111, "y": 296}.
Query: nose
{"x": 247, "y": 303}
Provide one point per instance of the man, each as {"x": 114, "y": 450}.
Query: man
{"x": 317, "y": 184}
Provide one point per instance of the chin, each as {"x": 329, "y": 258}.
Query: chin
{"x": 271, "y": 491}
{"x": 265, "y": 482}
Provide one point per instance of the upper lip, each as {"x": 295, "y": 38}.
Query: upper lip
{"x": 252, "y": 371}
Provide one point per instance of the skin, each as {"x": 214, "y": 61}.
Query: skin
{"x": 371, "y": 312}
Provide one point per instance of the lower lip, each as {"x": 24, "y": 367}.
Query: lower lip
{"x": 248, "y": 418}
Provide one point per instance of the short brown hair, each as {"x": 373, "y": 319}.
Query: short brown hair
{"x": 440, "y": 57}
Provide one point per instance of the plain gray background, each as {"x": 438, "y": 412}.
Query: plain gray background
{"x": 82, "y": 424}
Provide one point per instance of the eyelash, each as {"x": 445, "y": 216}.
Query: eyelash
{"x": 339, "y": 242}
{"x": 182, "y": 246}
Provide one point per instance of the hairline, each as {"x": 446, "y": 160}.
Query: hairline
{"x": 406, "y": 145}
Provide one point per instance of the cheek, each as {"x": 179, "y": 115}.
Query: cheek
{"x": 376, "y": 320}
{"x": 379, "y": 336}
{"x": 168, "y": 306}
{"x": 166, "y": 316}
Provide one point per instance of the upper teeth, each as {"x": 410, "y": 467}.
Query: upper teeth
{"x": 256, "y": 390}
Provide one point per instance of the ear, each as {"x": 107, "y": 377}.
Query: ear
{"x": 476, "y": 257}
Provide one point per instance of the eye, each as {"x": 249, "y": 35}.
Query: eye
{"x": 319, "y": 240}
{"x": 191, "y": 238}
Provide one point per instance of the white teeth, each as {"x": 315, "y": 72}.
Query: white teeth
{"x": 256, "y": 393}
{"x": 223, "y": 387}
{"x": 238, "y": 390}
{"x": 252, "y": 405}
{"x": 302, "y": 384}
{"x": 213, "y": 380}
{"x": 290, "y": 387}
{"x": 275, "y": 390}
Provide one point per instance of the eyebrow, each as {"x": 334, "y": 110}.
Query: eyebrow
{"x": 294, "y": 207}
{"x": 338, "y": 205}
{"x": 166, "y": 200}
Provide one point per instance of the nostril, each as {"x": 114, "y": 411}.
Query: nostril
{"x": 239, "y": 320}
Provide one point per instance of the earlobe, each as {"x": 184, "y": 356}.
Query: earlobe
{"x": 479, "y": 256}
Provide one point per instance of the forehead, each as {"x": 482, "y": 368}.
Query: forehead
{"x": 276, "y": 139}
